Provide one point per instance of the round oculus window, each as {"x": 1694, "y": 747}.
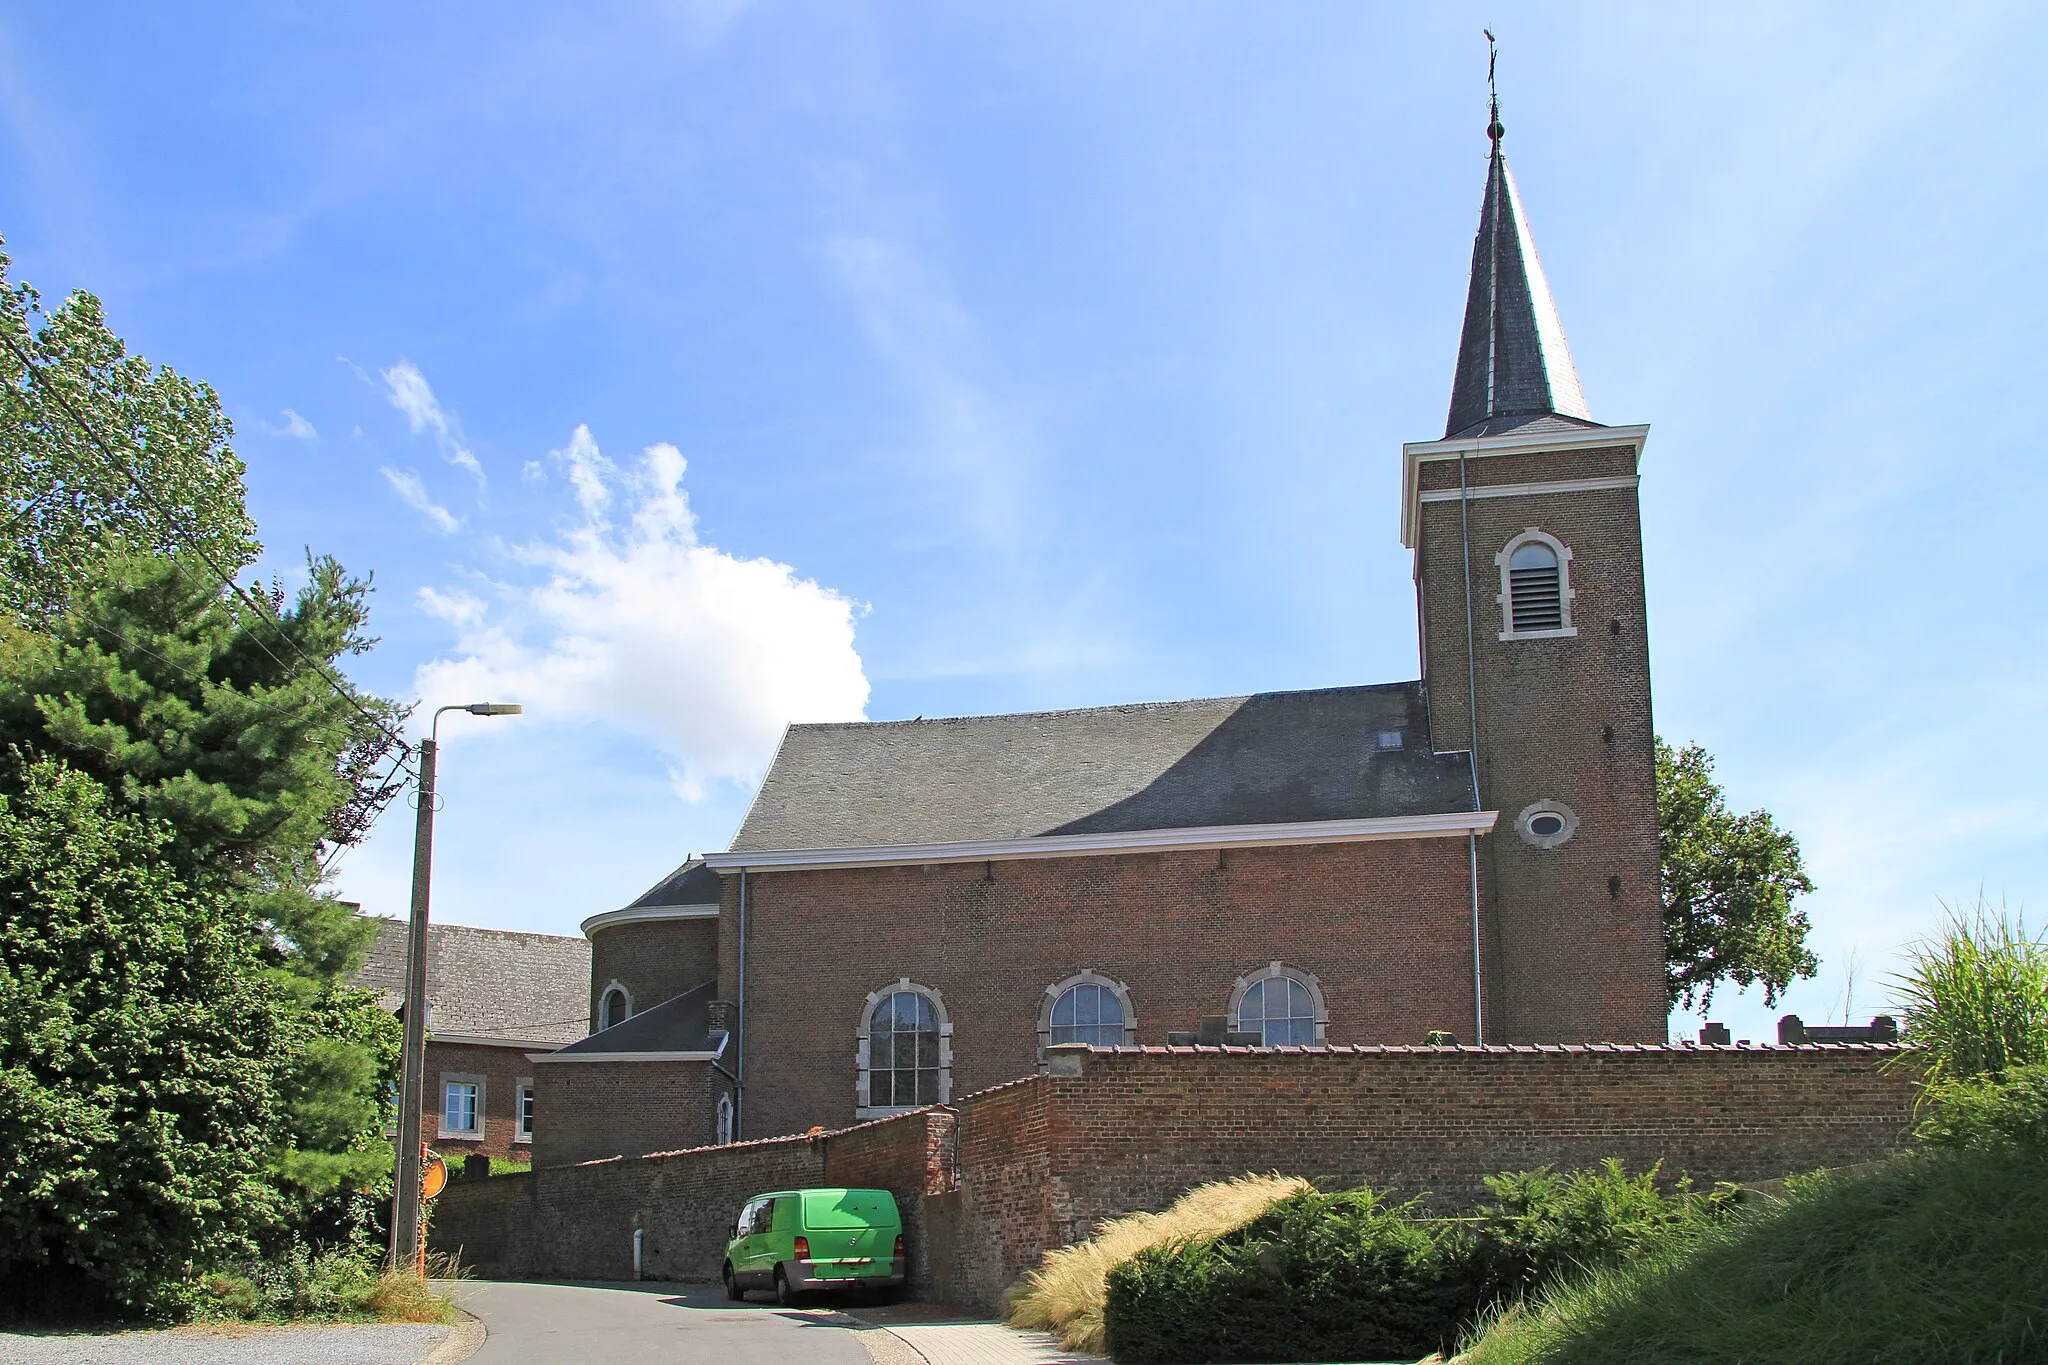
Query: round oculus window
{"x": 1546, "y": 824}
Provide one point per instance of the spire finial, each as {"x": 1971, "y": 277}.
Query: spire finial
{"x": 1493, "y": 128}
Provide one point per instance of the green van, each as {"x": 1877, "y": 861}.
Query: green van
{"x": 795, "y": 1241}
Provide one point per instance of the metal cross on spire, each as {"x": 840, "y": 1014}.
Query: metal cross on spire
{"x": 1493, "y": 128}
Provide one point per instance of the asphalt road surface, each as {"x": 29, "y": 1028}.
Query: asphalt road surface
{"x": 649, "y": 1324}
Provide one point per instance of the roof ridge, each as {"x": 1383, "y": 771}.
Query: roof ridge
{"x": 1108, "y": 709}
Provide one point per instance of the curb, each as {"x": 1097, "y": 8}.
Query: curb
{"x": 465, "y": 1338}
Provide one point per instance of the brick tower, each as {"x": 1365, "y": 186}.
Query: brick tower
{"x": 1527, "y": 540}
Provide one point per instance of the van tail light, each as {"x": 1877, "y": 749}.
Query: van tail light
{"x": 898, "y": 1253}
{"x": 803, "y": 1248}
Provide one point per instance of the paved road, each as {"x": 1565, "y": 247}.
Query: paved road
{"x": 649, "y": 1324}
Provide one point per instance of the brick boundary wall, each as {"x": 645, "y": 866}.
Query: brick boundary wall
{"x": 988, "y": 1186}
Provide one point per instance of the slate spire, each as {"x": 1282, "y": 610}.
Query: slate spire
{"x": 1513, "y": 364}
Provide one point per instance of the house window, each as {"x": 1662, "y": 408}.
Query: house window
{"x": 723, "y": 1122}
{"x": 615, "y": 1006}
{"x": 1546, "y": 823}
{"x": 905, "y": 1054}
{"x": 1283, "y": 1006}
{"x": 522, "y": 1129}
{"x": 1535, "y": 587}
{"x": 1087, "y": 1008}
{"x": 462, "y": 1106}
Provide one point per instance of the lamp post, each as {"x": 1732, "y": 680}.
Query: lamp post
{"x": 405, "y": 1195}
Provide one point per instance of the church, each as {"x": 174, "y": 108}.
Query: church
{"x": 916, "y": 910}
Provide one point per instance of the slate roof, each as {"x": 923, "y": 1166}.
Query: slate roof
{"x": 1513, "y": 361}
{"x": 679, "y": 1024}
{"x": 1270, "y": 758}
{"x": 691, "y": 884}
{"x": 491, "y": 983}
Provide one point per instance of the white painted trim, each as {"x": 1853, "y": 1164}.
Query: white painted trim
{"x": 625, "y": 994}
{"x": 643, "y": 914}
{"x": 483, "y": 1090}
{"x": 491, "y": 1040}
{"x": 1414, "y": 453}
{"x": 1512, "y": 490}
{"x": 1561, "y": 633}
{"x": 539, "y": 1057}
{"x": 1091, "y": 845}
{"x": 1535, "y": 535}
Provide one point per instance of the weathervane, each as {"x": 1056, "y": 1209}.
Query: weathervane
{"x": 1493, "y": 128}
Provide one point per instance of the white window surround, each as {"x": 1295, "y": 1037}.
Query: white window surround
{"x": 1564, "y": 587}
{"x": 522, "y": 1131}
{"x": 449, "y": 1078}
{"x": 722, "y": 1122}
{"x": 1547, "y": 806}
{"x": 607, "y": 1018}
{"x": 1277, "y": 971}
{"x": 861, "y": 1108}
{"x": 1087, "y": 977}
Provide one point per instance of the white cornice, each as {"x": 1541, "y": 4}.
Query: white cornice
{"x": 1521, "y": 490}
{"x": 487, "y": 1040}
{"x": 1415, "y": 453}
{"x": 539, "y": 1057}
{"x": 1097, "y": 845}
{"x": 637, "y": 914}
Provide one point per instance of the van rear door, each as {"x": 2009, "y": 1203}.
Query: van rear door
{"x": 852, "y": 1232}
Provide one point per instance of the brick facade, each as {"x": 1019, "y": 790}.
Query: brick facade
{"x": 1385, "y": 927}
{"x": 1573, "y": 934}
{"x": 597, "y": 1109}
{"x": 987, "y": 1187}
{"x": 499, "y": 1071}
{"x": 655, "y": 960}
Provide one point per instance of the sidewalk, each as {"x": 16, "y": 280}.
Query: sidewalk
{"x": 942, "y": 1335}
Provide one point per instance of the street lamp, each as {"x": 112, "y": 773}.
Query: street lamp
{"x": 405, "y": 1197}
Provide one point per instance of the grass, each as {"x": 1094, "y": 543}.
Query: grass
{"x": 1065, "y": 1295}
{"x": 338, "y": 1286}
{"x": 1932, "y": 1257}
{"x": 1974, "y": 998}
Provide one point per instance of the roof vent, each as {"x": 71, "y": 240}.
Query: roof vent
{"x": 1535, "y": 589}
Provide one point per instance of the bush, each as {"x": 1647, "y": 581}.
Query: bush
{"x": 1317, "y": 1277}
{"x": 1067, "y": 1293}
{"x": 1989, "y": 1111}
{"x": 340, "y": 1284}
{"x": 1935, "y": 1257}
{"x": 1974, "y": 1001}
{"x": 1546, "y": 1225}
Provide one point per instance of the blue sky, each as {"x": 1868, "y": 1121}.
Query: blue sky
{"x": 689, "y": 368}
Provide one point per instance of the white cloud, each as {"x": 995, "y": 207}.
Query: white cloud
{"x": 294, "y": 426}
{"x": 410, "y": 393}
{"x": 637, "y": 626}
{"x": 407, "y": 485}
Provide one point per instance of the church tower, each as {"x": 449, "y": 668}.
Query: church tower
{"x": 1527, "y": 538}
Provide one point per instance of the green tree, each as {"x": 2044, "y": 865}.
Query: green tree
{"x": 138, "y": 1045}
{"x": 1728, "y": 885}
{"x": 64, "y": 504}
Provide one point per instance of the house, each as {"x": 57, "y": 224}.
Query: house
{"x": 914, "y": 910}
{"x": 493, "y": 996}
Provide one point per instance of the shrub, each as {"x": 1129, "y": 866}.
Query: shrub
{"x": 338, "y": 1284}
{"x": 1066, "y": 1294}
{"x": 1547, "y": 1225}
{"x": 1988, "y": 1111}
{"x": 1974, "y": 1000}
{"x": 1343, "y": 1276}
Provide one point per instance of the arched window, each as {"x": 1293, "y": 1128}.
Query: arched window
{"x": 615, "y": 1006}
{"x": 1283, "y": 1006}
{"x": 905, "y": 1056}
{"x": 1535, "y": 587}
{"x": 723, "y": 1130}
{"x": 1087, "y": 1008}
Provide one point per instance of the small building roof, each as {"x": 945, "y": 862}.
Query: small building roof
{"x": 679, "y": 1024}
{"x": 489, "y": 983}
{"x": 1271, "y": 758}
{"x": 691, "y": 884}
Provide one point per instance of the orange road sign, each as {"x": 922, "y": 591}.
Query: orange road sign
{"x": 433, "y": 1174}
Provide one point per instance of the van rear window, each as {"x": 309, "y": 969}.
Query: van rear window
{"x": 849, "y": 1209}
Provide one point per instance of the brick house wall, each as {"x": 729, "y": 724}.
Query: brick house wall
{"x": 1574, "y": 936}
{"x": 499, "y": 1070}
{"x": 655, "y": 960}
{"x": 1385, "y": 927}
{"x": 591, "y": 1110}
{"x": 1038, "y": 1163}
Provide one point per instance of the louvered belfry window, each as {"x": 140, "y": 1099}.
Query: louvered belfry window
{"x": 1535, "y": 589}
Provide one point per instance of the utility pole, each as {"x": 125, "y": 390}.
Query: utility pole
{"x": 405, "y": 1202}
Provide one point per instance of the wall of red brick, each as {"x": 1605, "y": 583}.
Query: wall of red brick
{"x": 1385, "y": 927}
{"x": 500, "y": 1069}
{"x": 1573, "y": 935}
{"x": 1040, "y": 1162}
{"x": 655, "y": 960}
{"x": 590, "y": 1110}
